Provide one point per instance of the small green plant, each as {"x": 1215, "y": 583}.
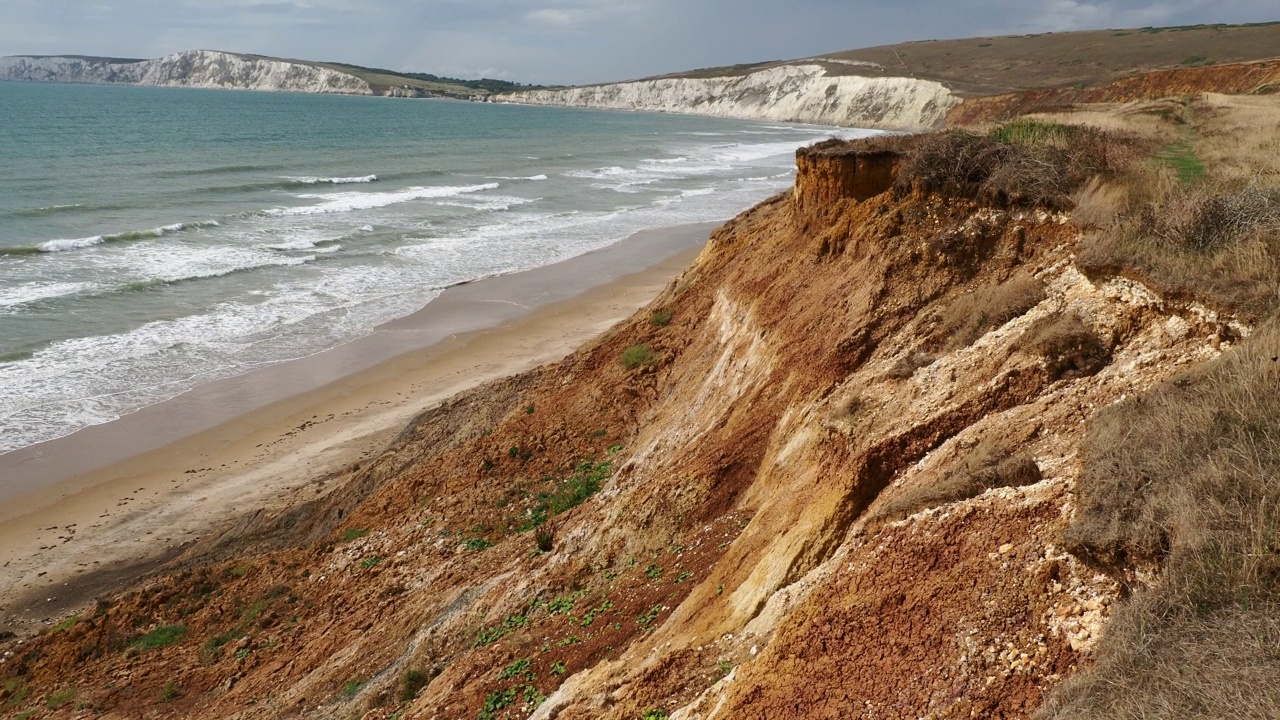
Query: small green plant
{"x": 684, "y": 575}
{"x": 656, "y": 714}
{"x": 495, "y": 701}
{"x": 238, "y": 571}
{"x": 60, "y": 698}
{"x": 544, "y": 539}
{"x": 724, "y": 666}
{"x": 66, "y": 624}
{"x": 529, "y": 409}
{"x": 569, "y": 640}
{"x": 563, "y": 604}
{"x": 161, "y": 637}
{"x": 478, "y": 544}
{"x": 414, "y": 681}
{"x": 518, "y": 668}
{"x": 591, "y": 615}
{"x": 558, "y": 669}
{"x": 352, "y": 688}
{"x": 653, "y": 572}
{"x": 170, "y": 692}
{"x": 661, "y": 318}
{"x": 369, "y": 562}
{"x": 490, "y": 635}
{"x": 354, "y": 534}
{"x": 648, "y": 618}
{"x": 638, "y": 355}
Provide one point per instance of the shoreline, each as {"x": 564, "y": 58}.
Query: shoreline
{"x": 103, "y": 506}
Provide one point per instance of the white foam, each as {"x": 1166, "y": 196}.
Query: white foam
{"x": 352, "y": 201}
{"x": 34, "y": 291}
{"x": 530, "y": 177}
{"x": 53, "y": 246}
{"x": 335, "y": 180}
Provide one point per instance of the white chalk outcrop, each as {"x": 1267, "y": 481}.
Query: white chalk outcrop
{"x": 193, "y": 68}
{"x": 786, "y": 93}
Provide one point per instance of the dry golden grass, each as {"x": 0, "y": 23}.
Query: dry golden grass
{"x": 1187, "y": 476}
{"x": 972, "y": 315}
{"x": 988, "y": 465}
{"x": 1070, "y": 348}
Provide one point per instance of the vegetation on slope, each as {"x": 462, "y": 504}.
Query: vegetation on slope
{"x": 1180, "y": 494}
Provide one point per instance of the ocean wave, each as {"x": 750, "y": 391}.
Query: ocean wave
{"x": 685, "y": 194}
{"x": 219, "y": 170}
{"x": 529, "y": 177}
{"x": 363, "y": 179}
{"x": 63, "y": 245}
{"x": 35, "y": 291}
{"x": 309, "y": 244}
{"x": 352, "y": 201}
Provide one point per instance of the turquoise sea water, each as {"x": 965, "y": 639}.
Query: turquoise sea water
{"x": 155, "y": 239}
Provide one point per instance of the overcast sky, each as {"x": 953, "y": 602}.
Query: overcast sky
{"x": 560, "y": 41}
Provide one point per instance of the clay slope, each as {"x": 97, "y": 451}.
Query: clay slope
{"x": 824, "y": 475}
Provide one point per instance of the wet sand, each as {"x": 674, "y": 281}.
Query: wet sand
{"x": 82, "y": 515}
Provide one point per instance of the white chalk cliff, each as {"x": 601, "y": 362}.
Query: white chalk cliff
{"x": 193, "y": 68}
{"x": 787, "y": 93}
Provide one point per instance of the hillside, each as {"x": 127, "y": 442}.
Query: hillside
{"x": 911, "y": 440}
{"x": 235, "y": 71}
{"x": 923, "y": 85}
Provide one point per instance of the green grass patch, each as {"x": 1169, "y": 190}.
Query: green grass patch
{"x": 478, "y": 544}
{"x": 1033, "y": 133}
{"x": 161, "y": 637}
{"x": 638, "y": 355}
{"x": 60, "y": 698}
{"x": 370, "y": 562}
{"x": 1182, "y": 159}
{"x": 351, "y": 688}
{"x": 661, "y": 318}
{"x": 354, "y": 534}
{"x": 66, "y": 624}
{"x": 170, "y": 692}
{"x": 568, "y": 493}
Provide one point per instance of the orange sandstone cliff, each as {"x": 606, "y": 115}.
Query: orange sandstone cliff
{"x": 825, "y": 474}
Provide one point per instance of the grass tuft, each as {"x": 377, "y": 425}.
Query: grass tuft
{"x": 638, "y": 355}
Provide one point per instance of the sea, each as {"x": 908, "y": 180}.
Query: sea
{"x": 153, "y": 239}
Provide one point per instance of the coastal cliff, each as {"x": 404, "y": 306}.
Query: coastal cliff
{"x": 193, "y": 68}
{"x": 802, "y": 93}
{"x": 826, "y": 473}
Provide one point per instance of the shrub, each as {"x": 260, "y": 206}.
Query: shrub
{"x": 478, "y": 544}
{"x": 638, "y": 355}
{"x": 1184, "y": 477}
{"x": 1216, "y": 242}
{"x": 661, "y": 318}
{"x": 414, "y": 681}
{"x": 1023, "y": 163}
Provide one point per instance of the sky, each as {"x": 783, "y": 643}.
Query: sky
{"x": 560, "y": 41}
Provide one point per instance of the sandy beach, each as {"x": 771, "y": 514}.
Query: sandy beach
{"x": 82, "y": 515}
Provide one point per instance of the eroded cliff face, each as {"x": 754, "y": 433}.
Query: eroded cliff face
{"x": 786, "y": 93}
{"x": 193, "y": 68}
{"x": 803, "y": 508}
